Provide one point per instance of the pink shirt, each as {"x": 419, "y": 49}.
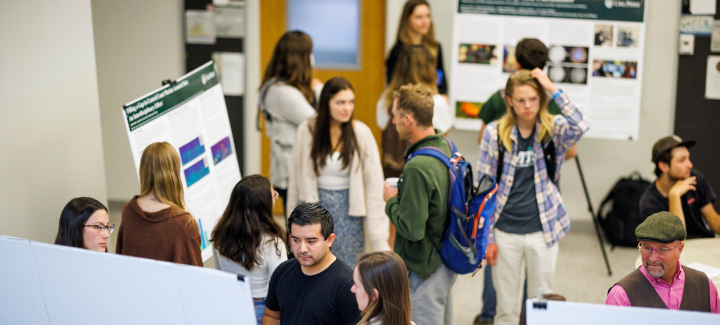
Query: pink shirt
{"x": 670, "y": 295}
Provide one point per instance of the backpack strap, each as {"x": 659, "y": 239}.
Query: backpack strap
{"x": 548, "y": 148}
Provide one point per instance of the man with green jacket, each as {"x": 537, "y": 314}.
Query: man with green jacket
{"x": 418, "y": 208}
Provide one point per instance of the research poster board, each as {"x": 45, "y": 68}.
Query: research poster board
{"x": 595, "y": 51}
{"x": 191, "y": 115}
{"x": 47, "y": 284}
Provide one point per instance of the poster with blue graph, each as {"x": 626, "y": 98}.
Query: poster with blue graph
{"x": 196, "y": 172}
{"x": 221, "y": 150}
{"x": 192, "y": 150}
{"x": 191, "y": 115}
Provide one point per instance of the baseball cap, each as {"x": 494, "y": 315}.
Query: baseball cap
{"x": 668, "y": 143}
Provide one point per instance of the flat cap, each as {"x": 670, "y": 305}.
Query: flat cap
{"x": 662, "y": 227}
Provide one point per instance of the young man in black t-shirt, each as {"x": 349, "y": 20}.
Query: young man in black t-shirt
{"x": 315, "y": 287}
{"x": 680, "y": 189}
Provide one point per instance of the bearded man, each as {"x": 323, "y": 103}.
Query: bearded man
{"x": 661, "y": 281}
{"x": 680, "y": 189}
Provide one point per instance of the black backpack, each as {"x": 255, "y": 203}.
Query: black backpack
{"x": 619, "y": 213}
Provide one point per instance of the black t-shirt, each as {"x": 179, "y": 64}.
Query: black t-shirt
{"x": 652, "y": 201}
{"x": 520, "y": 215}
{"x": 323, "y": 298}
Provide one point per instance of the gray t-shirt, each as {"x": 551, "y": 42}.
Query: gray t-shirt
{"x": 520, "y": 214}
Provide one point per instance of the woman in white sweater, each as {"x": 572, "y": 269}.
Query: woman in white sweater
{"x": 247, "y": 240}
{"x": 415, "y": 65}
{"x": 337, "y": 165}
{"x": 287, "y": 98}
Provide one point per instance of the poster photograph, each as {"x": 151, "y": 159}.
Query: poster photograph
{"x": 595, "y": 55}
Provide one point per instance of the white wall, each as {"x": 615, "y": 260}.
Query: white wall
{"x": 50, "y": 138}
{"x": 138, "y": 44}
{"x": 603, "y": 161}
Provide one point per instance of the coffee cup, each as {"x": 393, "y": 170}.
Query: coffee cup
{"x": 393, "y": 181}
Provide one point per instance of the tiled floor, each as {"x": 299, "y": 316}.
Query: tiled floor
{"x": 581, "y": 275}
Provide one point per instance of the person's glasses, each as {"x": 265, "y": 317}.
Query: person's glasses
{"x": 276, "y": 195}
{"x": 101, "y": 228}
{"x": 662, "y": 251}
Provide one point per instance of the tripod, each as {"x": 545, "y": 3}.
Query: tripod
{"x": 596, "y": 221}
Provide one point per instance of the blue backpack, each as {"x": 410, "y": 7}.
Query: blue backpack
{"x": 470, "y": 210}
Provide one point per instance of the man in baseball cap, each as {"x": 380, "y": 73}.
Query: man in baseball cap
{"x": 680, "y": 189}
{"x": 661, "y": 281}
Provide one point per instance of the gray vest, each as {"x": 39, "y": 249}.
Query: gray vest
{"x": 641, "y": 293}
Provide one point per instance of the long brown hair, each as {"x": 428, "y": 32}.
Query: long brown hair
{"x": 290, "y": 63}
{"x": 321, "y": 143}
{"x": 248, "y": 217}
{"x": 160, "y": 171}
{"x": 508, "y": 121}
{"x": 386, "y": 273}
{"x": 415, "y": 65}
{"x": 404, "y": 32}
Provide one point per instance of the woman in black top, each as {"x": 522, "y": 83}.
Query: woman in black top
{"x": 416, "y": 28}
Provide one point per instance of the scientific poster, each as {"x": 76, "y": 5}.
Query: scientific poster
{"x": 595, "y": 51}
{"x": 191, "y": 115}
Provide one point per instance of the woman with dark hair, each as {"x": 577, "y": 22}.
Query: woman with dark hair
{"x": 155, "y": 224}
{"x": 247, "y": 240}
{"x": 416, "y": 28}
{"x": 336, "y": 164}
{"x": 287, "y": 98}
{"x": 382, "y": 289}
{"x": 84, "y": 223}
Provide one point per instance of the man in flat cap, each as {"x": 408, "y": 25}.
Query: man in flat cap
{"x": 661, "y": 282}
{"x": 680, "y": 189}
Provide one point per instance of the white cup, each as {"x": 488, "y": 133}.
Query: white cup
{"x": 393, "y": 181}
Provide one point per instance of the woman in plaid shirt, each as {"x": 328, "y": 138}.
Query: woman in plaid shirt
{"x": 529, "y": 216}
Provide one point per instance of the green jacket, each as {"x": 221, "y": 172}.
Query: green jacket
{"x": 495, "y": 108}
{"x": 420, "y": 211}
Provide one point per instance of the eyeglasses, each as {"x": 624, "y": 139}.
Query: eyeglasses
{"x": 662, "y": 251}
{"x": 101, "y": 228}
{"x": 276, "y": 195}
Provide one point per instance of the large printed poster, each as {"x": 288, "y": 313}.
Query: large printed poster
{"x": 595, "y": 51}
{"x": 191, "y": 115}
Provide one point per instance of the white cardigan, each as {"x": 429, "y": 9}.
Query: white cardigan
{"x": 366, "y": 181}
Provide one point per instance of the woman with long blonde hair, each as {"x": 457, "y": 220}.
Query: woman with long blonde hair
{"x": 415, "y": 65}
{"x": 416, "y": 28}
{"x": 287, "y": 98}
{"x": 382, "y": 289}
{"x": 529, "y": 216}
{"x": 155, "y": 224}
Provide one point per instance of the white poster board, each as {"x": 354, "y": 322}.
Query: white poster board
{"x": 573, "y": 313}
{"x": 191, "y": 115}
{"x": 52, "y": 284}
{"x": 595, "y": 48}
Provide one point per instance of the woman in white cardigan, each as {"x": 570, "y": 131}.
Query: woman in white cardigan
{"x": 336, "y": 163}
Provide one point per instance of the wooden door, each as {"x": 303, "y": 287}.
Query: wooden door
{"x": 368, "y": 81}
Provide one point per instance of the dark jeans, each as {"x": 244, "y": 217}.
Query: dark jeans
{"x": 489, "y": 296}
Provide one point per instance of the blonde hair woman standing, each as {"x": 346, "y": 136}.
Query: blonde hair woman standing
{"x": 529, "y": 216}
{"x": 155, "y": 224}
{"x": 416, "y": 28}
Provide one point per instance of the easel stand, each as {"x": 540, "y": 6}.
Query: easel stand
{"x": 596, "y": 222}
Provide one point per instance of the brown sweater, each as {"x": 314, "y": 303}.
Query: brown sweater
{"x": 170, "y": 235}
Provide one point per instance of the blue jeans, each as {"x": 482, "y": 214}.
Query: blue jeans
{"x": 259, "y": 310}
{"x": 488, "y": 296}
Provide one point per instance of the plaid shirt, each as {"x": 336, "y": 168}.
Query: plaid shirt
{"x": 567, "y": 130}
